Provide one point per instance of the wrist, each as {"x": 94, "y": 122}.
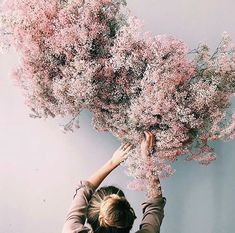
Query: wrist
{"x": 112, "y": 164}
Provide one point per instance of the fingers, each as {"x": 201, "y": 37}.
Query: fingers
{"x": 122, "y": 145}
{"x": 150, "y": 138}
{"x": 145, "y": 134}
{"x": 125, "y": 146}
{"x": 126, "y": 150}
{"x": 151, "y": 144}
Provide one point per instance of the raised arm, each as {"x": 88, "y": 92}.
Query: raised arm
{"x": 118, "y": 156}
{"x": 153, "y": 207}
{"x": 76, "y": 215}
{"x": 153, "y": 185}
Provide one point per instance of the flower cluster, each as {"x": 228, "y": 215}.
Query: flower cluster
{"x": 92, "y": 54}
{"x": 63, "y": 46}
{"x": 184, "y": 102}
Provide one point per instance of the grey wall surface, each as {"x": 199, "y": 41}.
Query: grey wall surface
{"x": 40, "y": 166}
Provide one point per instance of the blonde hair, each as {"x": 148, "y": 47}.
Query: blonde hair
{"x": 109, "y": 211}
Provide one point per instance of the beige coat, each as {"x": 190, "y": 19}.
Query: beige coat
{"x": 153, "y": 212}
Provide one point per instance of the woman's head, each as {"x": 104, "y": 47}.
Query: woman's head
{"x": 110, "y": 212}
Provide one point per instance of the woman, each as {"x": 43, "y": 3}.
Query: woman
{"x": 107, "y": 210}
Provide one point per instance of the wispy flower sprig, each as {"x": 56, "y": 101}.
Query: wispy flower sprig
{"x": 93, "y": 54}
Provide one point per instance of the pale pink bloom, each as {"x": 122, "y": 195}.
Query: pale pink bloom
{"x": 95, "y": 56}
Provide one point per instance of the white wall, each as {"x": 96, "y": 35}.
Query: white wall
{"x": 40, "y": 166}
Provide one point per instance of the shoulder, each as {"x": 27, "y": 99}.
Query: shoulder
{"x": 85, "y": 187}
{"x": 85, "y": 184}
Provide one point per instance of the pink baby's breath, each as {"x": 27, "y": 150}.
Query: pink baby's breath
{"x": 94, "y": 55}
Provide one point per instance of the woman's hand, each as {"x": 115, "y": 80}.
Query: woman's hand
{"x": 121, "y": 153}
{"x": 118, "y": 156}
{"x": 147, "y": 144}
{"x": 153, "y": 186}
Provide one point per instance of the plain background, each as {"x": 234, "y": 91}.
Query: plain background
{"x": 40, "y": 166}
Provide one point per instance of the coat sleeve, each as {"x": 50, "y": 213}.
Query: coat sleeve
{"x": 153, "y": 214}
{"x": 76, "y": 215}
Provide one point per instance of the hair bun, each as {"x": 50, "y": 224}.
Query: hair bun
{"x": 102, "y": 221}
{"x": 108, "y": 208}
{"x": 114, "y": 203}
